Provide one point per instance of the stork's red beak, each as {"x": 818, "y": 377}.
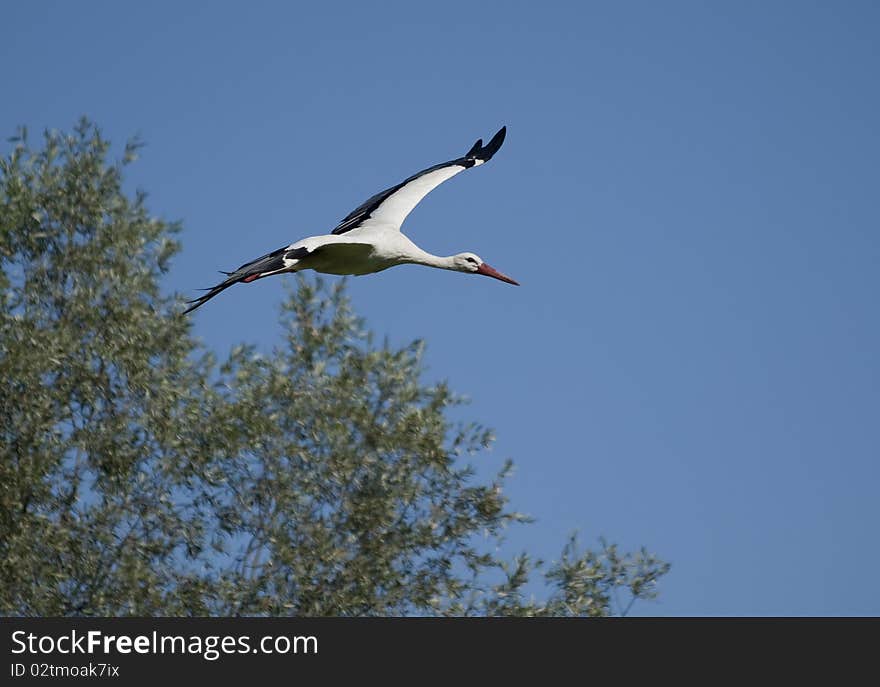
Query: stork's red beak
{"x": 490, "y": 271}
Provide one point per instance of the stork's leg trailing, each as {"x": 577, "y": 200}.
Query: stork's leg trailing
{"x": 276, "y": 262}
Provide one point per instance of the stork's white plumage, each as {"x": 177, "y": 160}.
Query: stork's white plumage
{"x": 369, "y": 239}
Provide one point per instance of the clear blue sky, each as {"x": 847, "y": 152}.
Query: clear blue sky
{"x": 688, "y": 193}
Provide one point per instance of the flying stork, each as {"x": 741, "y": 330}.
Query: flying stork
{"x": 369, "y": 238}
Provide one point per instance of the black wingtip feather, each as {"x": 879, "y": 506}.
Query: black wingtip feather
{"x": 269, "y": 263}
{"x": 485, "y": 153}
{"x": 475, "y": 148}
{"x": 213, "y": 291}
{"x": 493, "y": 146}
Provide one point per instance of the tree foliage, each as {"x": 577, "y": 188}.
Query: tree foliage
{"x": 140, "y": 476}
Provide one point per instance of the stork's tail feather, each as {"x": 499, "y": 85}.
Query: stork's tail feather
{"x": 270, "y": 263}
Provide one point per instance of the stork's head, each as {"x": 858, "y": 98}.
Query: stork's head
{"x": 470, "y": 262}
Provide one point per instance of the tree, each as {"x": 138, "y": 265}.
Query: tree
{"x": 139, "y": 476}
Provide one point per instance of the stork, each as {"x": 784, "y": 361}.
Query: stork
{"x": 369, "y": 239}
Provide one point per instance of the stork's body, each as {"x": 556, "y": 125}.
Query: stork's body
{"x": 369, "y": 239}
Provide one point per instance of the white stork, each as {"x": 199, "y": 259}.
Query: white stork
{"x": 369, "y": 239}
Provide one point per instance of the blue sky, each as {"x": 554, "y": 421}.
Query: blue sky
{"x": 688, "y": 194}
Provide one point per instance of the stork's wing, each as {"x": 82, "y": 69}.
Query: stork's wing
{"x": 270, "y": 263}
{"x": 391, "y": 206}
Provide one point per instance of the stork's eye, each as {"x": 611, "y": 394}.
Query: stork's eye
{"x": 471, "y": 260}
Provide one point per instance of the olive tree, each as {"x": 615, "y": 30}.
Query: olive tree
{"x": 140, "y": 475}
